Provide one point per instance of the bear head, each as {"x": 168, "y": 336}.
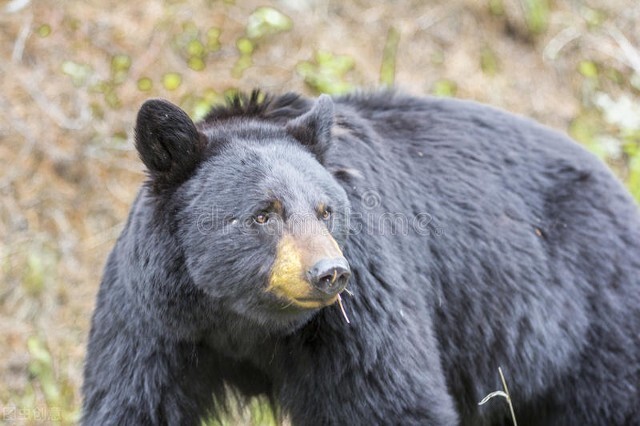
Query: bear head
{"x": 261, "y": 223}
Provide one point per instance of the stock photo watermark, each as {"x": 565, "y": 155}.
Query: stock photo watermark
{"x": 13, "y": 413}
{"x": 368, "y": 221}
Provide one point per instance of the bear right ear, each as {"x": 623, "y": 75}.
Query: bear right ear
{"x": 313, "y": 129}
{"x": 168, "y": 142}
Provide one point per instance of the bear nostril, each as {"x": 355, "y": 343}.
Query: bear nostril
{"x": 329, "y": 281}
{"x": 330, "y": 275}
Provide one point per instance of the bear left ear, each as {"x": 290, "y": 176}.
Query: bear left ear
{"x": 313, "y": 129}
{"x": 168, "y": 142}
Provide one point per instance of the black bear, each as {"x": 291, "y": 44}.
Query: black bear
{"x": 370, "y": 259}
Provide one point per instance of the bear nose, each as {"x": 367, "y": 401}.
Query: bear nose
{"x": 330, "y": 276}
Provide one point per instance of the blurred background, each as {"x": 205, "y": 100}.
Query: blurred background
{"x": 74, "y": 73}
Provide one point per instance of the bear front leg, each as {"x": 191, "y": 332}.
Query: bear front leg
{"x": 132, "y": 379}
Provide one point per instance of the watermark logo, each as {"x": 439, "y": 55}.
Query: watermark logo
{"x": 371, "y": 219}
{"x": 38, "y": 414}
{"x": 371, "y": 199}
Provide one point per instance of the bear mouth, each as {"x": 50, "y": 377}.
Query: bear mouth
{"x": 301, "y": 295}
{"x": 313, "y": 302}
{"x": 309, "y": 304}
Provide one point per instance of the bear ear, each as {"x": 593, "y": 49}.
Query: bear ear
{"x": 168, "y": 142}
{"x": 313, "y": 129}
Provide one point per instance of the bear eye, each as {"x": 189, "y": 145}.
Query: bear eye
{"x": 261, "y": 218}
{"x": 325, "y": 214}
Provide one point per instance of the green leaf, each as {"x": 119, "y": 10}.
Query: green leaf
{"x": 44, "y": 30}
{"x": 171, "y": 80}
{"x": 41, "y": 367}
{"x": 388, "y": 67}
{"x": 145, "y": 84}
{"x": 489, "y": 61}
{"x": 195, "y": 48}
{"x": 537, "y": 15}
{"x": 245, "y": 46}
{"x": 267, "y": 20}
{"x": 213, "y": 39}
{"x": 327, "y": 73}
{"x": 588, "y": 69}
{"x": 445, "y": 88}
{"x": 120, "y": 65}
{"x": 196, "y": 63}
{"x": 79, "y": 73}
{"x": 35, "y": 274}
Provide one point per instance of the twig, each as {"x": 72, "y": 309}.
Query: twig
{"x": 434, "y": 16}
{"x": 51, "y": 109}
{"x": 156, "y": 43}
{"x": 505, "y": 394}
{"x": 30, "y": 142}
{"x": 557, "y": 43}
{"x": 16, "y": 5}
{"x": 506, "y": 390}
{"x": 629, "y": 52}
{"x": 344, "y": 313}
{"x": 23, "y": 35}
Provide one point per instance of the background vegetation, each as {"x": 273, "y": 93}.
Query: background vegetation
{"x": 73, "y": 73}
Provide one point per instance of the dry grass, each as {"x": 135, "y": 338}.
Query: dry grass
{"x": 71, "y": 78}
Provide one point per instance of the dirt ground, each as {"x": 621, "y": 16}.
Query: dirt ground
{"x": 73, "y": 73}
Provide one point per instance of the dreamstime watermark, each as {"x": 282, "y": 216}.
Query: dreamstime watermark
{"x": 370, "y": 199}
{"x": 369, "y": 220}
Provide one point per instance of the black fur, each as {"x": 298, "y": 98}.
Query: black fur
{"x": 168, "y": 142}
{"x": 313, "y": 129}
{"x": 477, "y": 240}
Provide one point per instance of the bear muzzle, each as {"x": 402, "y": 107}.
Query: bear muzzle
{"x": 309, "y": 271}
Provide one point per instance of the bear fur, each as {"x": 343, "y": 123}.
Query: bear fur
{"x": 476, "y": 239}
